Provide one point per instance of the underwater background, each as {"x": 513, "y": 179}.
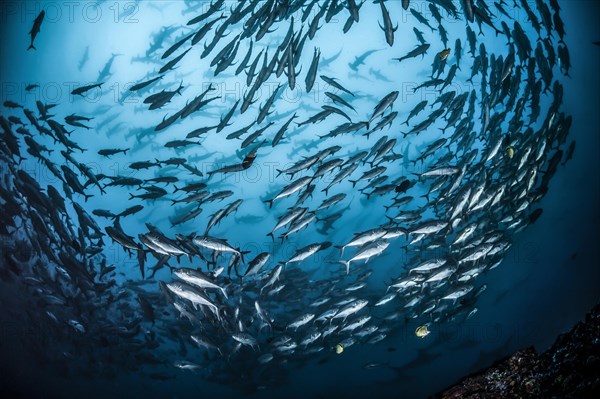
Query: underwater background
{"x": 547, "y": 280}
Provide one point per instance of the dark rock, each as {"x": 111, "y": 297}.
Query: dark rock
{"x": 569, "y": 369}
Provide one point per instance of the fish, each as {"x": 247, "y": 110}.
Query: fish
{"x": 105, "y": 72}
{"x": 84, "y": 58}
{"x": 307, "y": 251}
{"x": 141, "y": 85}
{"x": 218, "y": 245}
{"x": 197, "y": 279}
{"x": 387, "y": 25}
{"x": 367, "y": 252}
{"x": 350, "y": 309}
{"x": 384, "y": 104}
{"x": 205, "y": 342}
{"x": 169, "y": 65}
{"x": 332, "y": 82}
{"x": 419, "y": 50}
{"x": 264, "y": 111}
{"x": 290, "y": 189}
{"x": 275, "y": 273}
{"x": 35, "y": 29}
{"x": 84, "y": 89}
{"x": 468, "y": 6}
{"x": 300, "y": 321}
{"x": 112, "y": 151}
{"x": 187, "y": 292}
{"x": 444, "y": 54}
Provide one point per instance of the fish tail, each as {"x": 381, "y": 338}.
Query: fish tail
{"x": 242, "y": 253}
{"x": 31, "y": 46}
{"x": 272, "y": 236}
{"x": 270, "y": 202}
{"x": 391, "y": 219}
{"x": 418, "y": 175}
{"x": 347, "y": 263}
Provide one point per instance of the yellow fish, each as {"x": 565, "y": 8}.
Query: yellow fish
{"x": 444, "y": 54}
{"x": 510, "y": 152}
{"x": 422, "y": 331}
{"x": 339, "y": 348}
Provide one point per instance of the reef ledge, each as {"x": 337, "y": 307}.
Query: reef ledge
{"x": 569, "y": 369}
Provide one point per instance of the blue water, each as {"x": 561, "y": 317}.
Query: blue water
{"x": 547, "y": 281}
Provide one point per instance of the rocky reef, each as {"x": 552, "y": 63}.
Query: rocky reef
{"x": 569, "y": 369}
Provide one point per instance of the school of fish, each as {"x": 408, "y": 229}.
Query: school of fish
{"x": 441, "y": 213}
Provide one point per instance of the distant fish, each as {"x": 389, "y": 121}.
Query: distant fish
{"x": 141, "y": 85}
{"x": 84, "y": 89}
{"x": 84, "y": 58}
